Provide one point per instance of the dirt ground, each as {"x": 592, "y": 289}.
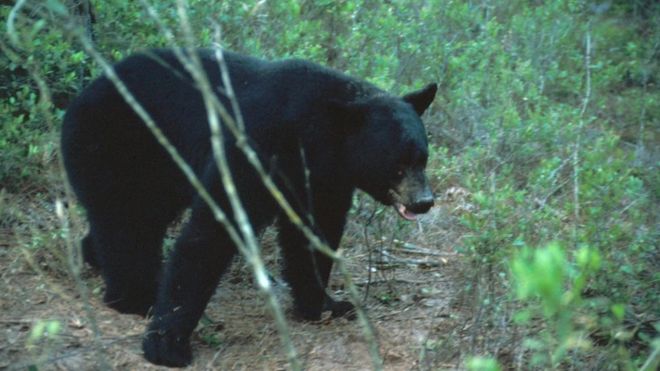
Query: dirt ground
{"x": 409, "y": 292}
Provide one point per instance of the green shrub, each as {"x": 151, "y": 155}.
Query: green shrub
{"x": 555, "y": 151}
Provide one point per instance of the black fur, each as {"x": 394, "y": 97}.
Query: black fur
{"x": 347, "y": 132}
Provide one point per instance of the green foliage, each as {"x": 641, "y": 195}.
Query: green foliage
{"x": 483, "y": 364}
{"x": 40, "y": 72}
{"x": 516, "y": 92}
{"x": 44, "y": 335}
{"x": 553, "y": 285}
{"x": 555, "y": 151}
{"x": 44, "y": 330}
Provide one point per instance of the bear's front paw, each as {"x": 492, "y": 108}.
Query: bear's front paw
{"x": 307, "y": 314}
{"x": 342, "y": 309}
{"x": 167, "y": 350}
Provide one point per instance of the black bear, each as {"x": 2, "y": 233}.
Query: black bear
{"x": 320, "y": 134}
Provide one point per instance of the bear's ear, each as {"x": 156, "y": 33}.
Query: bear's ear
{"x": 348, "y": 116}
{"x": 421, "y": 99}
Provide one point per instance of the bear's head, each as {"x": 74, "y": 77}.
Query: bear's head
{"x": 386, "y": 149}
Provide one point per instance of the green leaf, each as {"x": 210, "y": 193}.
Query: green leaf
{"x": 619, "y": 310}
{"x": 483, "y": 364}
{"x": 57, "y": 7}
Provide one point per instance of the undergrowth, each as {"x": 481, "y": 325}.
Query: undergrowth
{"x": 547, "y": 118}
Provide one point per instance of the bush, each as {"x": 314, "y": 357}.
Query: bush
{"x": 554, "y": 137}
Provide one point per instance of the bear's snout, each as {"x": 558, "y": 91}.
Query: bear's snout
{"x": 413, "y": 196}
{"x": 423, "y": 203}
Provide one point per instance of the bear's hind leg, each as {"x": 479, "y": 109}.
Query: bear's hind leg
{"x": 201, "y": 255}
{"x": 129, "y": 253}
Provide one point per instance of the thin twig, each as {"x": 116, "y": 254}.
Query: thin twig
{"x": 253, "y": 255}
{"x": 397, "y": 260}
{"x": 578, "y": 137}
{"x": 367, "y": 244}
{"x": 414, "y": 249}
{"x": 74, "y": 261}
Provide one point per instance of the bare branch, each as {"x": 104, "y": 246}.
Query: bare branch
{"x": 578, "y": 138}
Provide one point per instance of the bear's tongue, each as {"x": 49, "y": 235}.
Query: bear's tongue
{"x": 405, "y": 213}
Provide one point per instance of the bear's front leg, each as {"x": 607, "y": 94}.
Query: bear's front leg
{"x": 340, "y": 308}
{"x": 199, "y": 258}
{"x": 306, "y": 270}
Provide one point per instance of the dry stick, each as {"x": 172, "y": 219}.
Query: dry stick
{"x": 369, "y": 252}
{"x": 249, "y": 247}
{"x": 385, "y": 243}
{"x": 394, "y": 260}
{"x": 578, "y": 138}
{"x": 652, "y": 362}
{"x": 309, "y": 234}
{"x": 109, "y": 72}
{"x": 11, "y": 20}
{"x": 192, "y": 178}
{"x": 190, "y": 175}
{"x": 415, "y": 249}
{"x": 479, "y": 284}
{"x": 75, "y": 263}
{"x": 253, "y": 257}
{"x": 72, "y": 248}
{"x": 203, "y": 193}
{"x": 242, "y": 144}
{"x": 254, "y": 161}
{"x": 639, "y": 149}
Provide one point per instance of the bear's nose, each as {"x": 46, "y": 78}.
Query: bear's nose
{"x": 422, "y": 204}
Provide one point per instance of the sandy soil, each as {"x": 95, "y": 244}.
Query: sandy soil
{"x": 409, "y": 296}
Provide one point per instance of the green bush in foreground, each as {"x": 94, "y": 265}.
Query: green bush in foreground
{"x": 548, "y": 114}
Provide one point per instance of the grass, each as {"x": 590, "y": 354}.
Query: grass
{"x": 544, "y": 147}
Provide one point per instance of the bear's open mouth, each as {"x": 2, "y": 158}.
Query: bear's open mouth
{"x": 404, "y": 212}
{"x": 400, "y": 208}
